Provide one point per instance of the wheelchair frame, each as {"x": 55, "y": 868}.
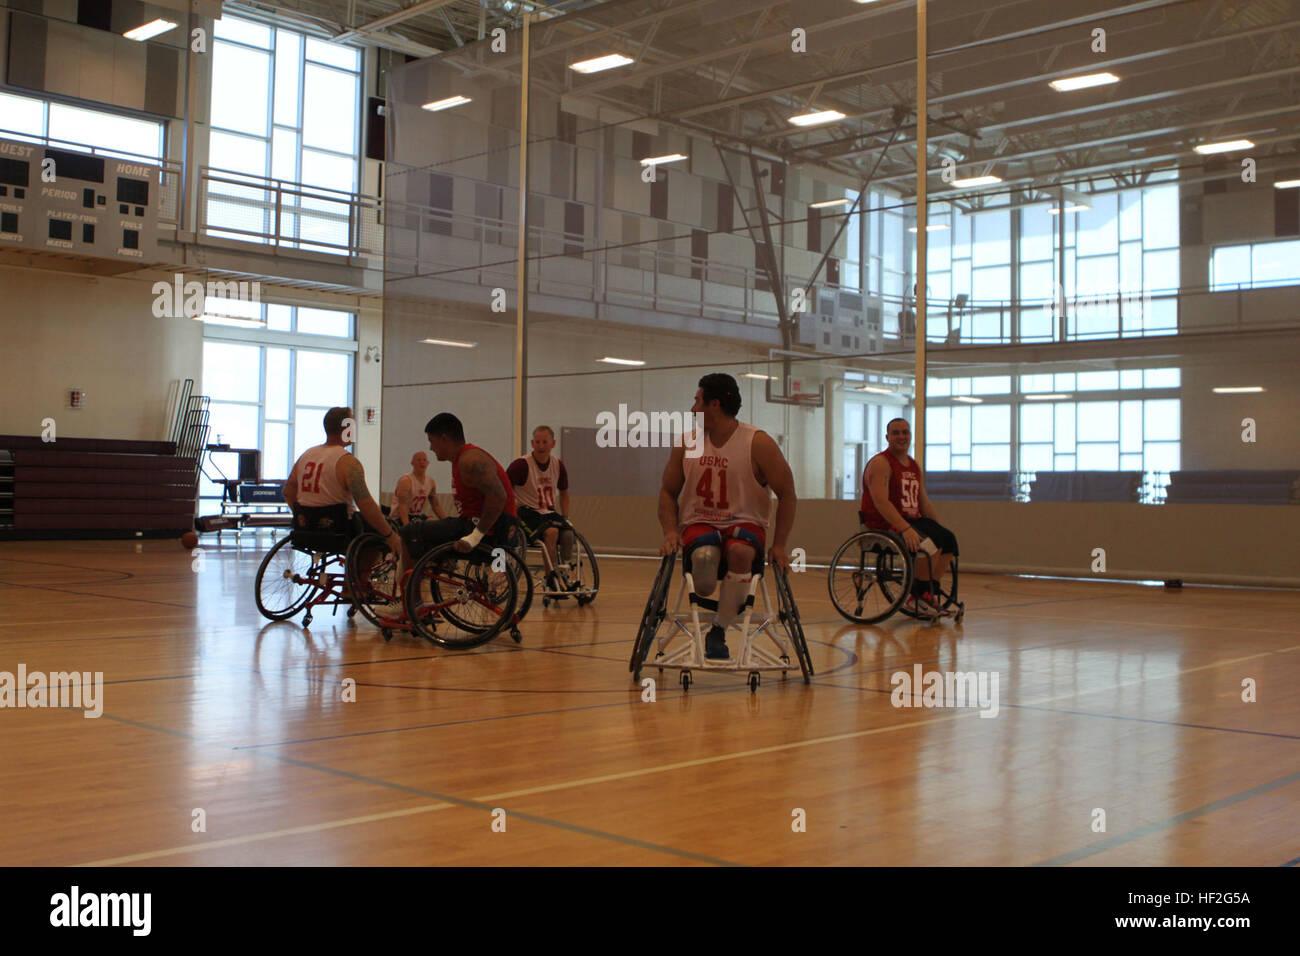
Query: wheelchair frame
{"x": 948, "y": 598}
{"x": 753, "y": 656}
{"x": 323, "y": 582}
{"x": 541, "y": 573}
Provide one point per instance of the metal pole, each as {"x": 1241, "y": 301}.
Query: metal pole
{"x": 1060, "y": 259}
{"x": 521, "y": 339}
{"x": 922, "y": 225}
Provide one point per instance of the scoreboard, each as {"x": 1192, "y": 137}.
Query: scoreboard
{"x": 68, "y": 201}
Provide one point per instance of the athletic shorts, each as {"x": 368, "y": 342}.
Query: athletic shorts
{"x": 538, "y": 521}
{"x": 750, "y": 534}
{"x": 422, "y": 536}
{"x": 943, "y": 539}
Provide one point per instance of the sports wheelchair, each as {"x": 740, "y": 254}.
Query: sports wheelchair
{"x": 678, "y": 637}
{"x": 576, "y": 577}
{"x": 871, "y": 575}
{"x": 305, "y": 568}
{"x": 453, "y": 599}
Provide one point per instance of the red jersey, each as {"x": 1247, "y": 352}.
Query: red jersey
{"x": 469, "y": 500}
{"x": 904, "y": 491}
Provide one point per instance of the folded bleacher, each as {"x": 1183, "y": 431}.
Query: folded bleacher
{"x": 1234, "y": 487}
{"x": 970, "y": 485}
{"x": 1114, "y": 486}
{"x": 88, "y": 487}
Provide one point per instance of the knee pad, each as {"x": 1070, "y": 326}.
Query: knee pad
{"x": 706, "y": 560}
{"x": 566, "y": 544}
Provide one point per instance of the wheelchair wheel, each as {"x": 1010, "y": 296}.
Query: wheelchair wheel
{"x": 456, "y": 600}
{"x": 947, "y": 598}
{"x": 371, "y": 569}
{"x": 869, "y": 577}
{"x": 278, "y": 595}
{"x": 656, "y": 608}
{"x": 579, "y": 577}
{"x": 788, "y": 616}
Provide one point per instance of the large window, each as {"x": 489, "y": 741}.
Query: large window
{"x": 22, "y": 117}
{"x": 1256, "y": 265}
{"x": 1109, "y": 420}
{"x": 284, "y": 106}
{"x": 271, "y": 396}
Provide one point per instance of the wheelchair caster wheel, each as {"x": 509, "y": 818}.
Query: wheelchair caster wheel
{"x": 753, "y": 682}
{"x": 546, "y": 602}
{"x": 514, "y": 633}
{"x": 306, "y": 621}
{"x": 686, "y": 680}
{"x": 960, "y": 614}
{"x": 352, "y": 612}
{"x": 388, "y": 634}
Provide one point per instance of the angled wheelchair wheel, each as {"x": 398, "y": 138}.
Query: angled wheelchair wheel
{"x": 285, "y": 582}
{"x": 579, "y": 577}
{"x": 947, "y": 599}
{"x": 788, "y": 617}
{"x": 456, "y": 600}
{"x": 656, "y": 609}
{"x": 371, "y": 569}
{"x": 869, "y": 577}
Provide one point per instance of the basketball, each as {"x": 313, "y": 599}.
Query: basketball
{"x": 189, "y": 540}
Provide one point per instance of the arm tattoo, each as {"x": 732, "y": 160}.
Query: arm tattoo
{"x": 357, "y": 483}
{"x": 482, "y": 476}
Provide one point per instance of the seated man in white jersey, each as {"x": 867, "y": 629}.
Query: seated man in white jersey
{"x": 893, "y": 496}
{"x": 715, "y": 505}
{"x": 539, "y": 479}
{"x": 414, "y": 490}
{"x": 327, "y": 480}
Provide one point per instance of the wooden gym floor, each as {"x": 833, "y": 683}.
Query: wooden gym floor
{"x": 1116, "y": 697}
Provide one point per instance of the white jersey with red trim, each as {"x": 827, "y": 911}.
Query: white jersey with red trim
{"x": 318, "y": 481}
{"x": 720, "y": 487}
{"x": 540, "y": 490}
{"x": 421, "y": 488}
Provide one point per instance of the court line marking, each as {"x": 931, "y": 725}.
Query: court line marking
{"x": 486, "y": 801}
{"x": 1120, "y": 839}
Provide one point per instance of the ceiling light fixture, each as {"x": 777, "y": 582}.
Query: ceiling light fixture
{"x": 597, "y": 64}
{"x": 1238, "y": 389}
{"x": 1052, "y": 397}
{"x": 975, "y": 181}
{"x": 452, "y": 342}
{"x": 1068, "y": 84}
{"x": 446, "y": 104}
{"x": 660, "y": 160}
{"x": 828, "y": 203}
{"x": 1287, "y": 184}
{"x": 933, "y": 227}
{"x": 969, "y": 400}
{"x": 149, "y": 30}
{"x": 610, "y": 360}
{"x": 1228, "y": 146}
{"x": 814, "y": 119}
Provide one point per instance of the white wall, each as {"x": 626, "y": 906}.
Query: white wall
{"x": 63, "y": 331}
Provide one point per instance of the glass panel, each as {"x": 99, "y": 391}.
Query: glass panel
{"x": 961, "y": 431}
{"x": 329, "y": 109}
{"x": 1162, "y": 420}
{"x": 1160, "y": 217}
{"x": 1163, "y": 377}
{"x": 1099, "y": 226}
{"x": 1098, "y": 381}
{"x": 22, "y": 115}
{"x": 308, "y": 430}
{"x": 330, "y": 172}
{"x": 105, "y": 131}
{"x": 233, "y": 425}
{"x": 1098, "y": 421}
{"x": 1130, "y": 267}
{"x": 231, "y": 372}
{"x": 853, "y": 422}
{"x": 240, "y": 154}
{"x": 284, "y": 157}
{"x": 938, "y": 387}
{"x": 1064, "y": 463}
{"x": 1036, "y": 383}
{"x": 277, "y": 384}
{"x": 1161, "y": 456}
{"x": 1130, "y": 427}
{"x": 992, "y": 238}
{"x": 849, "y": 479}
{"x": 1131, "y": 463}
{"x": 959, "y": 463}
{"x": 1064, "y": 382}
{"x": 1036, "y": 281}
{"x": 991, "y": 458}
{"x": 937, "y": 457}
{"x": 275, "y": 450}
{"x": 1035, "y": 422}
{"x": 938, "y": 425}
{"x": 1275, "y": 263}
{"x": 1036, "y": 229}
{"x": 1036, "y": 457}
{"x": 991, "y": 423}
{"x": 279, "y": 318}
{"x": 326, "y": 322}
{"x": 288, "y": 60}
{"x": 991, "y": 385}
{"x": 1230, "y": 267}
{"x": 1161, "y": 270}
{"x": 1064, "y": 430}
{"x": 230, "y": 28}
{"x": 1130, "y": 378}
{"x": 992, "y": 286}
{"x": 322, "y": 378}
{"x": 335, "y": 54}
{"x": 1130, "y": 214}
{"x": 241, "y": 89}
{"x": 1098, "y": 457}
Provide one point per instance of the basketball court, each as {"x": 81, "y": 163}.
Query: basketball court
{"x": 568, "y": 217}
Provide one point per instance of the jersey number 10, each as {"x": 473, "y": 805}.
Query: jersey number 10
{"x": 704, "y": 490}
